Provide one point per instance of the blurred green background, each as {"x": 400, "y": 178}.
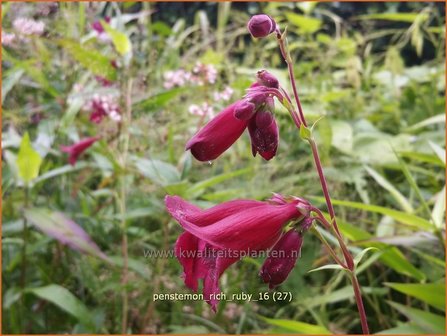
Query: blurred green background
{"x": 374, "y": 71}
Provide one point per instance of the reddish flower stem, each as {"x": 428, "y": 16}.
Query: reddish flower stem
{"x": 349, "y": 260}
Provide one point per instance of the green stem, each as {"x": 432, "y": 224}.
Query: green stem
{"x": 328, "y": 247}
{"x": 25, "y": 239}
{"x": 122, "y": 202}
{"x": 24, "y": 259}
{"x": 349, "y": 260}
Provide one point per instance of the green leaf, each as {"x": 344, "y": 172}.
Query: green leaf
{"x": 342, "y": 294}
{"x": 402, "y": 217}
{"x": 432, "y": 293}
{"x": 342, "y": 136}
{"x": 431, "y": 323}
{"x": 437, "y": 119}
{"x": 62, "y": 170}
{"x": 62, "y": 228}
{"x": 305, "y": 133}
{"x": 158, "y": 100}
{"x": 197, "y": 188}
{"x": 10, "y": 80}
{"x": 28, "y": 160}
{"x": 390, "y": 255}
{"x": 439, "y": 209}
{"x": 427, "y": 158}
{"x": 325, "y": 267}
{"x": 65, "y": 300}
{"x": 362, "y": 253}
{"x": 305, "y": 24}
{"x": 120, "y": 40}
{"x": 159, "y": 172}
{"x": 400, "y": 17}
{"x": 415, "y": 187}
{"x": 403, "y": 329}
{"x": 439, "y": 151}
{"x": 137, "y": 266}
{"x": 298, "y": 327}
{"x": 385, "y": 184}
{"x": 90, "y": 59}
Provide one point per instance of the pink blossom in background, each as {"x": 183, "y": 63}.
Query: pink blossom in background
{"x": 26, "y": 26}
{"x": 201, "y": 110}
{"x": 225, "y": 95}
{"x": 103, "y": 106}
{"x": 204, "y": 73}
{"x": 8, "y": 38}
{"x": 101, "y": 34}
{"x": 176, "y": 78}
{"x": 75, "y": 150}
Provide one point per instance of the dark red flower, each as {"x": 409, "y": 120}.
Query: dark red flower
{"x": 78, "y": 148}
{"x": 261, "y": 25}
{"x": 216, "y": 136}
{"x": 264, "y": 132}
{"x": 216, "y": 238}
{"x": 266, "y": 79}
{"x": 282, "y": 259}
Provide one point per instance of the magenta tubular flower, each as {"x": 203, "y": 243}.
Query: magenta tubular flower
{"x": 215, "y": 238}
{"x": 217, "y": 136}
{"x": 282, "y": 259}
{"x": 264, "y": 132}
{"x": 78, "y": 148}
{"x": 261, "y": 25}
{"x": 266, "y": 79}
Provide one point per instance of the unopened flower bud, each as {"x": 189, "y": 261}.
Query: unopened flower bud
{"x": 261, "y": 25}
{"x": 267, "y": 79}
{"x": 282, "y": 259}
{"x": 244, "y": 110}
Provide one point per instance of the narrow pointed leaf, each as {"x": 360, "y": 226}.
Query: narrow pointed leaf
{"x": 431, "y": 323}
{"x": 360, "y": 256}
{"x": 65, "y": 300}
{"x": 432, "y": 293}
{"x": 62, "y": 228}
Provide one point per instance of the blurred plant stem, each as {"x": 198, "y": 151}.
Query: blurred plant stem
{"x": 125, "y": 137}
{"x": 25, "y": 238}
{"x": 349, "y": 266}
{"x": 24, "y": 262}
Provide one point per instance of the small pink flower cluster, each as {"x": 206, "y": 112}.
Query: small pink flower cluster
{"x": 8, "y": 39}
{"x": 201, "y": 110}
{"x": 200, "y": 74}
{"x": 103, "y": 106}
{"x": 23, "y": 27}
{"x": 225, "y": 95}
{"x": 204, "y": 73}
{"x": 26, "y": 26}
{"x": 176, "y": 78}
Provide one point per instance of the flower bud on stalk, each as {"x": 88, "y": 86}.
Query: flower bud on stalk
{"x": 261, "y": 25}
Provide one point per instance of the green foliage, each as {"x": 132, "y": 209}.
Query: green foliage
{"x": 371, "y": 80}
{"x": 28, "y": 160}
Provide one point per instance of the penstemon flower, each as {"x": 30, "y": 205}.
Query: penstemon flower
{"x": 255, "y": 111}
{"x": 217, "y": 237}
{"x": 75, "y": 150}
{"x": 282, "y": 259}
{"x": 243, "y": 225}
